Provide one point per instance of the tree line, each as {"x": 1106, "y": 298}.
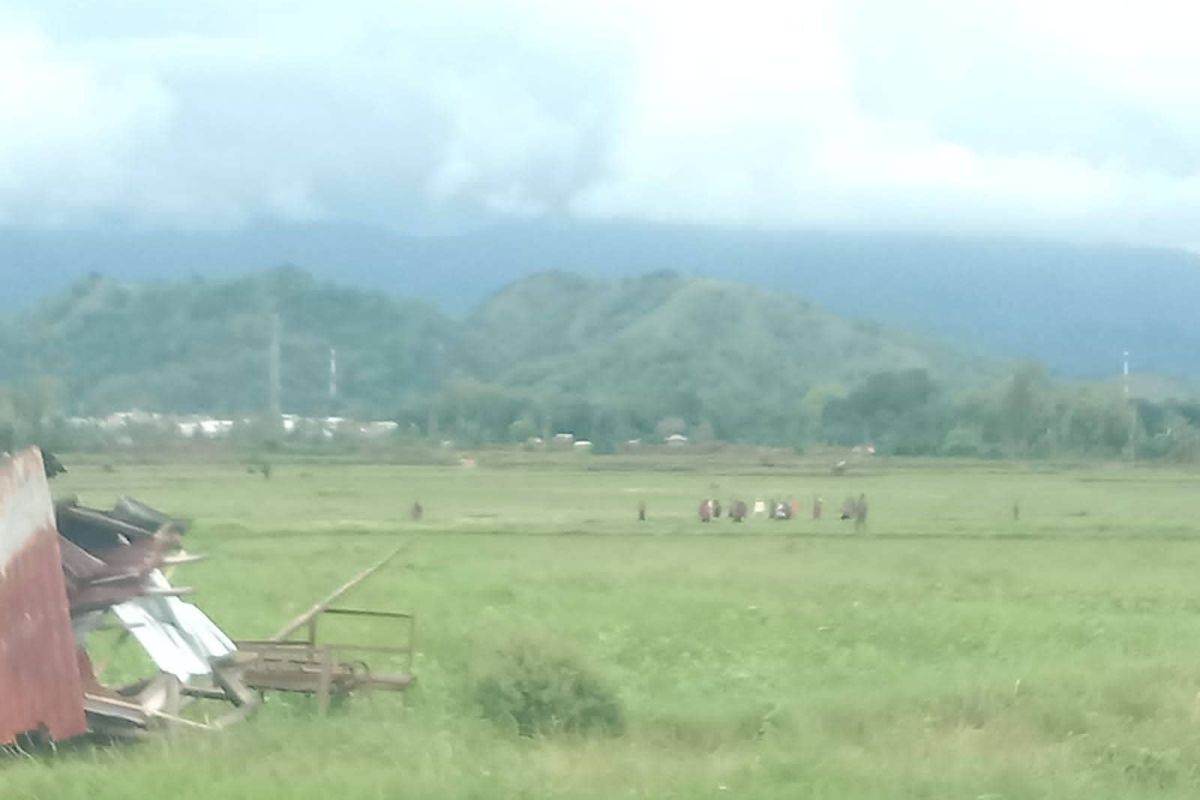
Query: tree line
{"x": 1026, "y": 415}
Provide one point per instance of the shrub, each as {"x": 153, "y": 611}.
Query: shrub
{"x": 545, "y": 690}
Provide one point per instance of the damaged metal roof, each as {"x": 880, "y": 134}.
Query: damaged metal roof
{"x": 67, "y": 571}
{"x": 41, "y": 690}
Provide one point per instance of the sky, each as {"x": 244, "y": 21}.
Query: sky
{"x": 1072, "y": 119}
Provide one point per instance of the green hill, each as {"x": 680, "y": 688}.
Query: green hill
{"x": 700, "y": 349}
{"x": 604, "y": 359}
{"x": 1073, "y": 307}
{"x": 203, "y": 346}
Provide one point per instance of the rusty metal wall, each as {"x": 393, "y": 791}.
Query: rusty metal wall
{"x": 40, "y": 685}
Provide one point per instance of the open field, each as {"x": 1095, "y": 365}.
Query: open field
{"x": 948, "y": 652}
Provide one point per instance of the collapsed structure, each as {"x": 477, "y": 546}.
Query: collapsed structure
{"x": 40, "y": 683}
{"x": 68, "y": 571}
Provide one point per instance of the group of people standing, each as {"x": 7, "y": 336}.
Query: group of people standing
{"x": 853, "y": 508}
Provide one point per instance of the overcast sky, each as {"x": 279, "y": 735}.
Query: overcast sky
{"x": 1066, "y": 118}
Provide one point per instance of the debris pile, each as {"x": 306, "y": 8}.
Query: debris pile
{"x": 115, "y": 563}
{"x": 68, "y": 571}
{"x": 41, "y": 689}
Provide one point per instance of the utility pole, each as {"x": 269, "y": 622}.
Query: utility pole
{"x": 1126, "y": 373}
{"x": 333, "y": 387}
{"x": 276, "y": 404}
{"x": 1132, "y": 407}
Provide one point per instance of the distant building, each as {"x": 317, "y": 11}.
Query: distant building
{"x": 378, "y": 429}
{"x": 204, "y": 427}
{"x": 216, "y": 427}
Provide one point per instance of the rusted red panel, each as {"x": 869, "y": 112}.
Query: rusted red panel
{"x": 40, "y": 685}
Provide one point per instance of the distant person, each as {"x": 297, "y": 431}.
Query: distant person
{"x": 1016, "y": 511}
{"x": 641, "y": 511}
{"x": 860, "y": 513}
{"x": 737, "y": 511}
{"x": 706, "y": 511}
{"x": 716, "y": 509}
{"x": 817, "y": 504}
{"x": 760, "y": 508}
{"x": 849, "y": 508}
{"x": 417, "y": 511}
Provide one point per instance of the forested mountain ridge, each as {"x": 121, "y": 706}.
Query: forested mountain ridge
{"x": 202, "y": 346}
{"x": 1072, "y": 307}
{"x": 607, "y": 360}
{"x": 697, "y": 348}
{"x": 630, "y": 351}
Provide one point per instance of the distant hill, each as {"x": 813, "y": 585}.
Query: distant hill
{"x": 1073, "y": 307}
{"x": 646, "y": 348}
{"x": 202, "y": 346}
{"x": 696, "y": 347}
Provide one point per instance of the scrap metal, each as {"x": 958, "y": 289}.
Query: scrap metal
{"x": 68, "y": 571}
{"x": 311, "y": 666}
{"x": 41, "y": 689}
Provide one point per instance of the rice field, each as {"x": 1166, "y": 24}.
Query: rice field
{"x": 949, "y": 650}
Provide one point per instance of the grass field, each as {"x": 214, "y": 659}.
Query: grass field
{"x": 948, "y": 652}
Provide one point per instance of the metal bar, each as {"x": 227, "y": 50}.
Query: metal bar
{"x": 112, "y": 707}
{"x": 299, "y": 622}
{"x": 188, "y": 558}
{"x": 172, "y": 591}
{"x": 363, "y": 612}
{"x": 204, "y": 692}
{"x": 89, "y": 516}
{"x": 368, "y": 648}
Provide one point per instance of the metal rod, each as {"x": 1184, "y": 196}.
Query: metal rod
{"x": 363, "y": 612}
{"x": 302, "y": 620}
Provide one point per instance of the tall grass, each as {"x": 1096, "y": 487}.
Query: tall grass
{"x": 947, "y": 652}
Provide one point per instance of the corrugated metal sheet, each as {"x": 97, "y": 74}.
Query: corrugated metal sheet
{"x": 40, "y": 685}
{"x": 180, "y": 638}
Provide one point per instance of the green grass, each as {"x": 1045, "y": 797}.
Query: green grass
{"x": 949, "y": 652}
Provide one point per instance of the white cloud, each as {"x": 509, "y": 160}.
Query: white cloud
{"x": 68, "y": 134}
{"x": 751, "y": 115}
{"x": 1047, "y": 117}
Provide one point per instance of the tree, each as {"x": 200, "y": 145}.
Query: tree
{"x": 812, "y": 408}
{"x": 1023, "y": 407}
{"x": 31, "y": 407}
